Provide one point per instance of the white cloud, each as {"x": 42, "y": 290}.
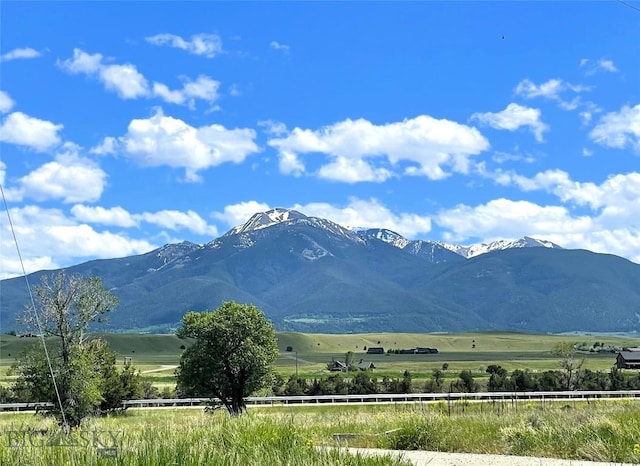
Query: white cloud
{"x": 6, "y": 102}
{"x": 504, "y": 218}
{"x": 512, "y": 118}
{"x": 356, "y": 148}
{"x": 352, "y": 171}
{"x": 114, "y": 216}
{"x": 20, "y": 53}
{"x": 129, "y": 83}
{"x": 107, "y": 146}
{"x": 552, "y": 90}
{"x": 619, "y": 129}
{"x": 70, "y": 178}
{"x": 44, "y": 234}
{"x": 125, "y": 80}
{"x": 176, "y": 220}
{"x": 357, "y": 213}
{"x": 238, "y": 214}
{"x": 509, "y": 219}
{"x": 117, "y": 216}
{"x": 40, "y": 135}
{"x": 163, "y": 140}
{"x": 273, "y": 128}
{"x": 208, "y": 45}
{"x": 594, "y": 66}
{"x": 279, "y": 46}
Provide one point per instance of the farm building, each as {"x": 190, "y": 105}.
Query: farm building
{"x": 375, "y": 350}
{"x": 338, "y": 366}
{"x": 366, "y": 365}
{"x": 628, "y": 360}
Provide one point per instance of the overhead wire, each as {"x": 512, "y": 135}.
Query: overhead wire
{"x": 35, "y": 313}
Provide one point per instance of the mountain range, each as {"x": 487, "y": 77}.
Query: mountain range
{"x": 311, "y": 274}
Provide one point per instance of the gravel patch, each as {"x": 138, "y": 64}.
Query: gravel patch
{"x": 434, "y": 458}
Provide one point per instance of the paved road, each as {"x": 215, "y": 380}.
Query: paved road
{"x": 431, "y": 458}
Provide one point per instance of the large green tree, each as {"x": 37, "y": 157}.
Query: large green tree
{"x": 232, "y": 356}
{"x": 65, "y": 307}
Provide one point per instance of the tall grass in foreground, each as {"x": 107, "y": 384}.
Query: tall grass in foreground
{"x": 601, "y": 431}
{"x": 184, "y": 438}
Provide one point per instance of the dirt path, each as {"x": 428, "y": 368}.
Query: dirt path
{"x": 160, "y": 369}
{"x": 432, "y": 458}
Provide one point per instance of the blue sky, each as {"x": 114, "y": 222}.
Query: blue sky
{"x": 125, "y": 126}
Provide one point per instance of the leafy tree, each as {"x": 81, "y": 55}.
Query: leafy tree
{"x": 406, "y": 384}
{"x": 115, "y": 385}
{"x": 364, "y": 384}
{"x": 234, "y": 349}
{"x": 295, "y": 386}
{"x": 465, "y": 382}
{"x": 350, "y": 361}
{"x": 498, "y": 379}
{"x": 522, "y": 381}
{"x": 568, "y": 362}
{"x": 65, "y": 308}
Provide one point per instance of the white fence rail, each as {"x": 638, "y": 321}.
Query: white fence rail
{"x": 375, "y": 398}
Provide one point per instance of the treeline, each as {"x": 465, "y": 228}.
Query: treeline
{"x": 500, "y": 380}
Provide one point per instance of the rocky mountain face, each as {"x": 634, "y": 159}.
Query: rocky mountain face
{"x": 311, "y": 274}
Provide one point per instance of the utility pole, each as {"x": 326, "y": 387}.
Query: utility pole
{"x": 296, "y": 364}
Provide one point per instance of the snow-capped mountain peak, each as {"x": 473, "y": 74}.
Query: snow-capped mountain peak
{"x": 474, "y": 250}
{"x": 266, "y": 219}
{"x": 388, "y": 236}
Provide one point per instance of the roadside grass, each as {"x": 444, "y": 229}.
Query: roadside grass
{"x": 180, "y": 438}
{"x": 607, "y": 431}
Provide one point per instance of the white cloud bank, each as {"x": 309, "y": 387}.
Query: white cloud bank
{"x": 166, "y": 141}
{"x": 359, "y": 150}
{"x": 69, "y": 178}
{"x": 170, "y": 219}
{"x": 48, "y": 239}
{"x": 24, "y": 130}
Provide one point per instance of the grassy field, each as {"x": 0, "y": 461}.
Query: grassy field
{"x": 157, "y": 356}
{"x": 602, "y": 431}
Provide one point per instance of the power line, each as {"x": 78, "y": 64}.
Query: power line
{"x": 35, "y": 311}
{"x": 633, "y": 7}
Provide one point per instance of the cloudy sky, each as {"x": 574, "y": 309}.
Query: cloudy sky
{"x": 126, "y": 126}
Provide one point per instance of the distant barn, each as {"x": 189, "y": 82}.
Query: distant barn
{"x": 375, "y": 350}
{"x": 628, "y": 360}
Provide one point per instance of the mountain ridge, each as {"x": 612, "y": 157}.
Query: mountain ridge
{"x": 310, "y": 274}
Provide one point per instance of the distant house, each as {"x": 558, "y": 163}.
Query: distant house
{"x": 420, "y": 350}
{"x": 366, "y": 365}
{"x": 628, "y": 360}
{"x": 337, "y": 366}
{"x": 375, "y": 350}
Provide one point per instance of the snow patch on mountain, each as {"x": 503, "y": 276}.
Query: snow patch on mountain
{"x": 474, "y": 250}
{"x": 266, "y": 219}
{"x": 278, "y": 216}
{"x": 175, "y": 254}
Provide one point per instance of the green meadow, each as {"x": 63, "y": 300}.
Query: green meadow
{"x": 157, "y": 356}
